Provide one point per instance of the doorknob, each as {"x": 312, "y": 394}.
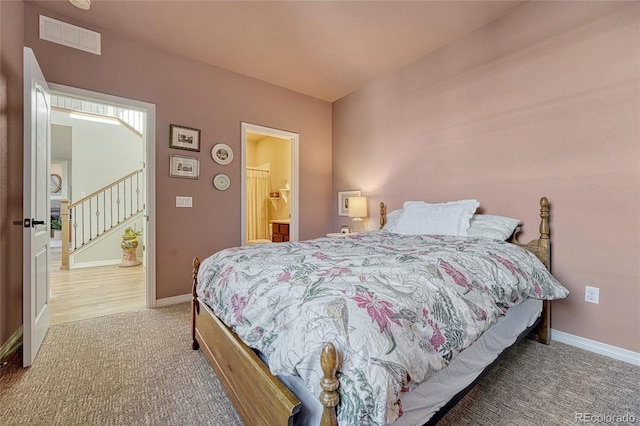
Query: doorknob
{"x": 36, "y": 222}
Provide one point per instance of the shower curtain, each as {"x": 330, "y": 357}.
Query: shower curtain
{"x": 257, "y": 207}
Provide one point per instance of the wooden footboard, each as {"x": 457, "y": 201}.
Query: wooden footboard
{"x": 258, "y": 396}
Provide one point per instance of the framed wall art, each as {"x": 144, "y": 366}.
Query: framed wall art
{"x": 184, "y": 138}
{"x": 222, "y": 154}
{"x": 183, "y": 166}
{"x": 343, "y": 201}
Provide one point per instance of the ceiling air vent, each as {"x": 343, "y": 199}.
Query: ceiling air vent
{"x": 69, "y": 35}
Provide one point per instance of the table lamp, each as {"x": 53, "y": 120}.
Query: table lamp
{"x": 357, "y": 208}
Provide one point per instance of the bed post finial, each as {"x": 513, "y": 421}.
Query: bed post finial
{"x": 383, "y": 215}
{"x": 544, "y": 246}
{"x": 195, "y": 307}
{"x": 544, "y": 216}
{"x": 329, "y": 398}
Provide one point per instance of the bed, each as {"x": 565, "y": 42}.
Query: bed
{"x": 368, "y": 323}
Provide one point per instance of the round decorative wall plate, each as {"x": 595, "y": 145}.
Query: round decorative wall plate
{"x": 221, "y": 182}
{"x": 222, "y": 154}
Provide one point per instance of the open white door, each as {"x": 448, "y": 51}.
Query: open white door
{"x": 36, "y": 207}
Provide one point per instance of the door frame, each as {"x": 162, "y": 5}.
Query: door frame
{"x": 149, "y": 144}
{"x": 294, "y": 139}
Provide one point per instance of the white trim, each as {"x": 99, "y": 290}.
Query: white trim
{"x": 596, "y": 347}
{"x": 294, "y": 138}
{"x": 95, "y": 264}
{"x": 150, "y": 172}
{"x": 173, "y": 300}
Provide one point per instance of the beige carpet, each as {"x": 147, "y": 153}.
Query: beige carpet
{"x": 138, "y": 368}
{"x": 135, "y": 368}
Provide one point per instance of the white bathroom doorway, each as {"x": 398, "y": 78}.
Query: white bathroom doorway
{"x": 269, "y": 177}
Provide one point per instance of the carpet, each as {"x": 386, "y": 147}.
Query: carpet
{"x": 137, "y": 368}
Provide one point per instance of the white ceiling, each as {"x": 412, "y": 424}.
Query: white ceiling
{"x": 325, "y": 49}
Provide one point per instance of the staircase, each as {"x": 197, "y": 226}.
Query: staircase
{"x": 95, "y": 216}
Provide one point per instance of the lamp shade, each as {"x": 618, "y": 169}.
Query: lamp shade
{"x": 357, "y": 207}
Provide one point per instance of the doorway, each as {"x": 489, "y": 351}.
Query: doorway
{"x": 269, "y": 185}
{"x": 110, "y": 189}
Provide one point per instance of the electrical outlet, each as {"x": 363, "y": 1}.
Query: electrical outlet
{"x": 592, "y": 294}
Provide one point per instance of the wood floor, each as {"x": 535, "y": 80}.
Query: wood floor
{"x": 94, "y": 292}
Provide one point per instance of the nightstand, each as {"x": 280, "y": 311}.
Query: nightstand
{"x": 339, "y": 234}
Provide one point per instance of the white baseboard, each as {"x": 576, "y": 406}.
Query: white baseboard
{"x": 80, "y": 265}
{"x": 597, "y": 347}
{"x": 173, "y": 300}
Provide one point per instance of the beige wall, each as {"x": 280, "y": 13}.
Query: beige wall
{"x": 11, "y": 106}
{"x": 542, "y": 102}
{"x": 215, "y": 101}
{"x": 276, "y": 152}
{"x": 100, "y": 153}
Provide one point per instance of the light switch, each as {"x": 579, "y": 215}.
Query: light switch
{"x": 184, "y": 201}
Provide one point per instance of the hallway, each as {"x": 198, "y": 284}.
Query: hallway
{"x": 105, "y": 290}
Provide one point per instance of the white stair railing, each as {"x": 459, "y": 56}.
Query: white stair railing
{"x": 96, "y": 214}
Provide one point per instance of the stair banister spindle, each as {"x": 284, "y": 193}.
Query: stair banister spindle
{"x": 131, "y": 193}
{"x": 124, "y": 198}
{"x": 118, "y": 202}
{"x": 111, "y": 205}
{"x": 90, "y": 221}
{"x": 83, "y": 240}
{"x": 75, "y": 227}
{"x": 104, "y": 207}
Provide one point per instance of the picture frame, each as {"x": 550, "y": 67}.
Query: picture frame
{"x": 183, "y": 166}
{"x": 343, "y": 201}
{"x": 181, "y": 137}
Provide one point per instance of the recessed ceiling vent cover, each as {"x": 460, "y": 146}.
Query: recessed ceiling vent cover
{"x": 69, "y": 35}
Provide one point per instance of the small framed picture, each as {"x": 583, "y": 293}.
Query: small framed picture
{"x": 184, "y": 138}
{"x": 222, "y": 154}
{"x": 183, "y": 166}
{"x": 343, "y": 201}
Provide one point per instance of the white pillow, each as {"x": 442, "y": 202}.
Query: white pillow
{"x": 392, "y": 219}
{"x": 489, "y": 226}
{"x": 420, "y": 218}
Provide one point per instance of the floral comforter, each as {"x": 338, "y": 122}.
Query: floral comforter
{"x": 398, "y": 307}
